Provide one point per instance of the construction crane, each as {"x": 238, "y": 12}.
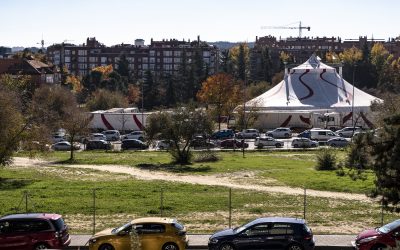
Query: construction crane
{"x": 300, "y": 28}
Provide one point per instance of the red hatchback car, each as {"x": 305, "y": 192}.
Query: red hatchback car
{"x": 33, "y": 231}
{"x": 385, "y": 237}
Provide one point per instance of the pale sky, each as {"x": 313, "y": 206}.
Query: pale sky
{"x": 23, "y": 22}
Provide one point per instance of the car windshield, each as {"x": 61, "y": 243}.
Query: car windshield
{"x": 119, "y": 229}
{"x": 389, "y": 227}
{"x": 58, "y": 224}
{"x": 242, "y": 228}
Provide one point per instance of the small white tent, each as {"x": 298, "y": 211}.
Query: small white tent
{"x": 310, "y": 88}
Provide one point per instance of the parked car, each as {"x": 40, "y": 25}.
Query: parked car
{"x": 250, "y": 133}
{"x": 304, "y": 143}
{"x": 97, "y": 136}
{"x": 57, "y": 138}
{"x": 233, "y": 143}
{"x": 133, "y": 144}
{"x": 265, "y": 233}
{"x": 223, "y": 134}
{"x": 348, "y": 131}
{"x": 32, "y": 231}
{"x": 112, "y": 135}
{"x": 202, "y": 142}
{"x": 280, "y": 133}
{"x": 305, "y": 133}
{"x": 64, "y": 146}
{"x": 154, "y": 234}
{"x": 385, "y": 237}
{"x": 163, "y": 144}
{"x": 138, "y": 135}
{"x": 338, "y": 142}
{"x": 98, "y": 144}
{"x": 261, "y": 142}
{"x": 322, "y": 134}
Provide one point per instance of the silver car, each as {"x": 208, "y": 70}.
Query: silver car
{"x": 348, "y": 131}
{"x": 337, "y": 142}
{"x": 280, "y": 133}
{"x": 268, "y": 141}
{"x": 304, "y": 143}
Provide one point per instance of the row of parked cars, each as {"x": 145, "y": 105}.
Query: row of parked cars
{"x": 34, "y": 231}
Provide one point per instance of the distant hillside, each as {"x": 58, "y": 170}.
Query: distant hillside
{"x": 227, "y": 45}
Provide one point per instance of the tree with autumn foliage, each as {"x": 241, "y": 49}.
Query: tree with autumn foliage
{"x": 221, "y": 93}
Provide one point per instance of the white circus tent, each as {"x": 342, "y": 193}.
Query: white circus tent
{"x": 309, "y": 89}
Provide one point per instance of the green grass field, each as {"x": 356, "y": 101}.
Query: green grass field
{"x": 205, "y": 209}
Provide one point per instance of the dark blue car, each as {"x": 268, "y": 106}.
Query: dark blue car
{"x": 265, "y": 233}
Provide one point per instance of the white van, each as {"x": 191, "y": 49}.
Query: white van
{"x": 322, "y": 134}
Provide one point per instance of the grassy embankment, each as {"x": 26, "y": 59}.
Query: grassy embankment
{"x": 202, "y": 208}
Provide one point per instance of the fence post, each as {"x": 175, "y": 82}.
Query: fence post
{"x": 94, "y": 211}
{"x": 382, "y": 213}
{"x": 305, "y": 203}
{"x": 26, "y": 201}
{"x": 161, "y": 202}
{"x": 230, "y": 207}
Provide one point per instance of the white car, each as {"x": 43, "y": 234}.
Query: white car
{"x": 348, "y": 131}
{"x": 112, "y": 135}
{"x": 163, "y": 145}
{"x": 280, "y": 133}
{"x": 64, "y": 146}
{"x": 304, "y": 143}
{"x": 261, "y": 142}
{"x": 138, "y": 135}
{"x": 97, "y": 136}
{"x": 248, "y": 133}
{"x": 57, "y": 138}
{"x": 337, "y": 142}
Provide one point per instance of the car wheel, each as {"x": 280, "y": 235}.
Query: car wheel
{"x": 294, "y": 247}
{"x": 270, "y": 135}
{"x": 286, "y": 135}
{"x": 278, "y": 145}
{"x": 379, "y": 247}
{"x": 340, "y": 134}
{"x": 333, "y": 145}
{"x": 41, "y": 246}
{"x": 170, "y": 246}
{"x": 226, "y": 246}
{"x": 106, "y": 247}
{"x": 295, "y": 146}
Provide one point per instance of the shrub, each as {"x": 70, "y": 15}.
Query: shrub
{"x": 326, "y": 160}
{"x": 206, "y": 156}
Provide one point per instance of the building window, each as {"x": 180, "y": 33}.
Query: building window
{"x": 177, "y": 60}
{"x": 152, "y": 60}
{"x": 82, "y": 66}
{"x": 145, "y": 59}
{"x": 92, "y": 59}
{"x": 177, "y": 53}
{"x": 67, "y": 59}
{"x": 167, "y": 60}
{"x": 167, "y": 53}
{"x": 145, "y": 66}
{"x": 206, "y": 53}
{"x": 103, "y": 59}
{"x": 67, "y": 52}
{"x": 82, "y": 52}
{"x": 152, "y": 53}
{"x": 82, "y": 59}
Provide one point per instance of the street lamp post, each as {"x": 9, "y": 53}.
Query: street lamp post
{"x": 352, "y": 102}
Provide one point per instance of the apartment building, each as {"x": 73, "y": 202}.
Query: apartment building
{"x": 160, "y": 57}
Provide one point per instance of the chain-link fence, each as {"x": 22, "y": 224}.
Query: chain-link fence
{"x": 203, "y": 210}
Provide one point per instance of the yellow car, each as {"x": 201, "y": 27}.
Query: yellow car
{"x": 153, "y": 233}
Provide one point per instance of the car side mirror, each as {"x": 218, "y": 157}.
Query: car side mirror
{"x": 122, "y": 233}
{"x": 396, "y": 234}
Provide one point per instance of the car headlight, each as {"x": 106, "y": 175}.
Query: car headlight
{"x": 368, "y": 239}
{"x": 92, "y": 240}
{"x": 213, "y": 240}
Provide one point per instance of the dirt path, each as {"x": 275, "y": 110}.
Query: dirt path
{"x": 212, "y": 180}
